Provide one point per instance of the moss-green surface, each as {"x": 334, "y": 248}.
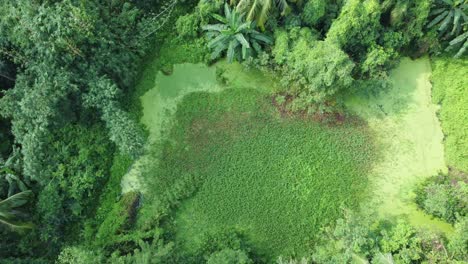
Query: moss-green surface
{"x": 409, "y": 135}
{"x": 450, "y": 81}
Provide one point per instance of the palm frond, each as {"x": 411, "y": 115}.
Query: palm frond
{"x": 216, "y": 41}
{"x": 437, "y": 19}
{"x": 446, "y": 21}
{"x": 462, "y": 50}
{"x": 16, "y": 200}
{"x": 253, "y": 10}
{"x": 219, "y": 18}
{"x": 231, "y": 50}
{"x": 284, "y": 7}
{"x": 264, "y": 12}
{"x": 459, "y": 39}
{"x": 214, "y": 27}
{"x": 242, "y": 40}
{"x": 16, "y": 226}
{"x": 263, "y": 38}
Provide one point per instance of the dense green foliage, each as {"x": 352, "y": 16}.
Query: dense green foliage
{"x": 65, "y": 58}
{"x": 360, "y": 238}
{"x": 445, "y": 196}
{"x": 450, "y": 81}
{"x": 243, "y": 175}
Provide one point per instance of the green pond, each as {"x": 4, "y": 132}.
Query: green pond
{"x": 409, "y": 133}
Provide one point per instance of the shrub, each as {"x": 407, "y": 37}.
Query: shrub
{"x": 458, "y": 244}
{"x": 357, "y": 27}
{"x": 79, "y": 255}
{"x": 314, "y": 11}
{"x": 312, "y": 71}
{"x": 444, "y": 196}
{"x": 187, "y": 26}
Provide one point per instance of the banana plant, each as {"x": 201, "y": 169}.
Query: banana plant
{"x": 449, "y": 17}
{"x": 235, "y": 36}
{"x": 451, "y": 20}
{"x": 9, "y": 212}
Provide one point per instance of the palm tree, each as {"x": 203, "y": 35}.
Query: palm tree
{"x": 447, "y": 13}
{"x": 258, "y": 10}
{"x": 9, "y": 214}
{"x": 234, "y": 35}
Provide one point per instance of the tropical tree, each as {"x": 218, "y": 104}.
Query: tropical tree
{"x": 259, "y": 10}
{"x": 234, "y": 35}
{"x": 9, "y": 214}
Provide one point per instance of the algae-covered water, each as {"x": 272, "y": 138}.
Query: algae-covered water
{"x": 159, "y": 105}
{"x": 408, "y": 131}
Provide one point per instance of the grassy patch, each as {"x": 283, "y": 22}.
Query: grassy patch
{"x": 276, "y": 180}
{"x": 450, "y": 80}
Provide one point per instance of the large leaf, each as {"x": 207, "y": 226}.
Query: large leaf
{"x": 220, "y": 18}
{"x": 263, "y": 38}
{"x": 16, "y": 200}
{"x": 256, "y": 46}
{"x": 438, "y": 19}
{"x": 459, "y": 39}
{"x": 462, "y": 50}
{"x": 219, "y": 40}
{"x": 231, "y": 52}
{"x": 456, "y": 21}
{"x": 243, "y": 27}
{"x": 227, "y": 12}
{"x": 16, "y": 226}
{"x": 217, "y": 51}
{"x": 242, "y": 40}
{"x": 446, "y": 21}
{"x": 215, "y": 27}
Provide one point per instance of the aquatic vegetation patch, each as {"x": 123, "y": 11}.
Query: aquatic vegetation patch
{"x": 275, "y": 180}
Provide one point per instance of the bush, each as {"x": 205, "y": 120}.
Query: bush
{"x": 78, "y": 163}
{"x": 187, "y": 26}
{"x": 458, "y": 244}
{"x": 312, "y": 71}
{"x": 314, "y": 11}
{"x": 357, "y": 27}
{"x": 360, "y": 237}
{"x": 444, "y": 196}
{"x": 78, "y": 255}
